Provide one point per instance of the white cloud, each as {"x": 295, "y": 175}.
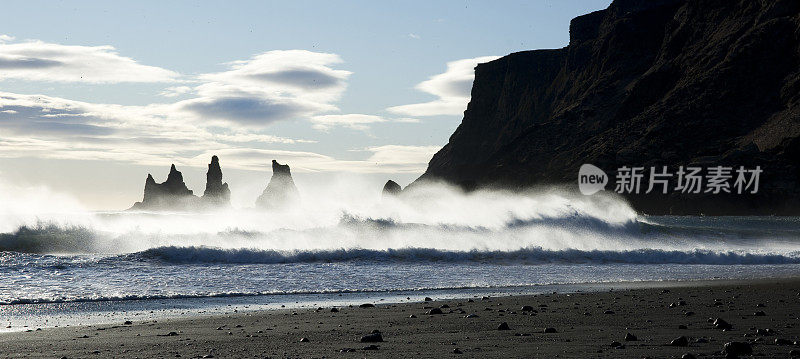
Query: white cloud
{"x": 6, "y": 38}
{"x": 451, "y": 87}
{"x": 176, "y": 91}
{"x": 354, "y": 121}
{"x": 272, "y": 86}
{"x": 225, "y": 112}
{"x": 384, "y": 159}
{"x": 414, "y": 36}
{"x": 402, "y": 155}
{"x": 41, "y": 61}
{"x": 50, "y": 127}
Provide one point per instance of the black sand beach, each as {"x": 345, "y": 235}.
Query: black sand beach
{"x": 763, "y": 314}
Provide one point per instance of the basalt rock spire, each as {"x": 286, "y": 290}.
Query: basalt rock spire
{"x": 281, "y": 191}
{"x": 170, "y": 194}
{"x": 217, "y": 192}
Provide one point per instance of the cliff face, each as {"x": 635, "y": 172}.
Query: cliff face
{"x": 281, "y": 191}
{"x": 644, "y": 83}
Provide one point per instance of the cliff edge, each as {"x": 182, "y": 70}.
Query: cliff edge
{"x": 647, "y": 83}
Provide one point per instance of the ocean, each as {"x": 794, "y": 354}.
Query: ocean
{"x": 61, "y": 264}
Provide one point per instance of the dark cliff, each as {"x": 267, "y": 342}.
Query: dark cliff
{"x": 644, "y": 83}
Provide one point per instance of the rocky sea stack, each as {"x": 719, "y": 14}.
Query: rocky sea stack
{"x": 645, "y": 83}
{"x": 171, "y": 194}
{"x": 281, "y": 191}
{"x": 217, "y": 192}
{"x": 391, "y": 188}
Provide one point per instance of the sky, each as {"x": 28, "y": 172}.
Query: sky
{"x": 94, "y": 95}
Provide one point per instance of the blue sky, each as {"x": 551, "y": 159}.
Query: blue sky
{"x": 325, "y": 86}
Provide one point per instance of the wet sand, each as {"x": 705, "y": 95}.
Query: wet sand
{"x": 762, "y": 313}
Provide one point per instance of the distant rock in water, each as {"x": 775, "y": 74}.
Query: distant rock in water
{"x": 280, "y": 191}
{"x": 171, "y": 194}
{"x": 391, "y": 188}
{"x": 217, "y": 192}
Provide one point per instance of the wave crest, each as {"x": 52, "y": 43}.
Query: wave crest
{"x": 531, "y": 255}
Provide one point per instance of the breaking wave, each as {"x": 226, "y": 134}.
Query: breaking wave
{"x": 182, "y": 255}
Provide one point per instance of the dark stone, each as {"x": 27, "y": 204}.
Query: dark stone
{"x": 370, "y": 347}
{"x": 679, "y": 342}
{"x": 550, "y": 330}
{"x": 688, "y": 356}
{"x": 428, "y": 299}
{"x": 781, "y": 341}
{"x": 794, "y": 353}
{"x": 737, "y": 348}
{"x": 457, "y": 351}
{"x": 643, "y": 83}
{"x": 760, "y": 313}
{"x": 217, "y": 192}
{"x": 503, "y": 326}
{"x": 171, "y": 194}
{"x": 281, "y": 191}
{"x": 527, "y": 308}
{"x": 630, "y": 337}
{"x": 615, "y": 344}
{"x": 334, "y": 310}
{"x": 391, "y": 188}
{"x": 434, "y": 311}
{"x": 367, "y": 305}
{"x": 720, "y": 323}
{"x": 372, "y": 338}
{"x": 304, "y": 340}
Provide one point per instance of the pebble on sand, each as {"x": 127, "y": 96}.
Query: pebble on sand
{"x": 550, "y": 330}
{"x": 679, "y": 342}
{"x": 367, "y": 305}
{"x": 630, "y": 337}
{"x": 304, "y": 340}
{"x": 374, "y": 337}
{"x": 434, "y": 311}
{"x": 720, "y": 323}
{"x": 737, "y": 348}
{"x": 503, "y": 326}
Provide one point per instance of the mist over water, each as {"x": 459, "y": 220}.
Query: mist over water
{"x": 344, "y": 237}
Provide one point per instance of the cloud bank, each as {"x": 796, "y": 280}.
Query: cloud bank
{"x": 224, "y": 113}
{"x": 452, "y": 89}
{"x": 41, "y": 61}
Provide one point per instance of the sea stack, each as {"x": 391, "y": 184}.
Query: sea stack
{"x": 280, "y": 191}
{"x": 217, "y": 192}
{"x": 171, "y": 194}
{"x": 391, "y": 188}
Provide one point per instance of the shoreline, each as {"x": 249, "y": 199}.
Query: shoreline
{"x": 20, "y": 317}
{"x": 652, "y": 311}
